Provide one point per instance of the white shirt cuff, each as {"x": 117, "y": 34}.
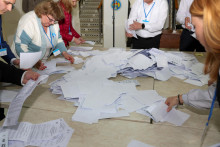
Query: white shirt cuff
{"x": 23, "y": 78}
{"x": 12, "y": 60}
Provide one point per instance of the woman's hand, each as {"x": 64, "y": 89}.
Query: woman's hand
{"x": 40, "y": 65}
{"x": 77, "y": 41}
{"x": 68, "y": 57}
{"x": 82, "y": 40}
{"x": 172, "y": 101}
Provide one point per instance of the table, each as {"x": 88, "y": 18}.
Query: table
{"x": 44, "y": 106}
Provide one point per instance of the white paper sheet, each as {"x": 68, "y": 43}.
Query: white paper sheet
{"x": 136, "y": 143}
{"x": 16, "y": 104}
{"x": 90, "y": 42}
{"x": 55, "y": 133}
{"x": 28, "y": 60}
{"x": 174, "y": 116}
{"x": 80, "y": 48}
{"x": 4, "y": 139}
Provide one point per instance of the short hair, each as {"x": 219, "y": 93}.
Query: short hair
{"x": 49, "y": 7}
{"x": 209, "y": 11}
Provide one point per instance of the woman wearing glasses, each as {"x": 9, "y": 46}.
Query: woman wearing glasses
{"x": 38, "y": 30}
{"x": 66, "y": 29}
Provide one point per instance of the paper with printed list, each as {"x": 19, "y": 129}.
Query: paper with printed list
{"x": 16, "y": 104}
{"x": 55, "y": 133}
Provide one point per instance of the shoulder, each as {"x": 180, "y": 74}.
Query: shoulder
{"x": 28, "y": 23}
{"x": 28, "y": 19}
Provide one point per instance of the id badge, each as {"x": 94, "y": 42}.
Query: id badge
{"x": 3, "y": 52}
{"x": 56, "y": 52}
{"x": 145, "y": 20}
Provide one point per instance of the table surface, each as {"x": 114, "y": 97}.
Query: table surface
{"x": 42, "y": 106}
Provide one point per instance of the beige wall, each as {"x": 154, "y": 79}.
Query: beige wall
{"x": 10, "y": 22}
{"x": 120, "y": 17}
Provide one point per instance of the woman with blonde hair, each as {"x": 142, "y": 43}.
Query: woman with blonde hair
{"x": 67, "y": 31}
{"x": 38, "y": 30}
{"x": 205, "y": 18}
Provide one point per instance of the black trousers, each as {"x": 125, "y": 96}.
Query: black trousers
{"x": 2, "y": 115}
{"x": 146, "y": 43}
{"x": 189, "y": 43}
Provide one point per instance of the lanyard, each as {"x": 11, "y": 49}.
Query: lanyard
{"x": 50, "y": 39}
{"x": 210, "y": 115}
{"x": 146, "y": 15}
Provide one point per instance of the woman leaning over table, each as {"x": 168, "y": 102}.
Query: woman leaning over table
{"x": 205, "y": 18}
{"x": 38, "y": 30}
{"x": 67, "y": 31}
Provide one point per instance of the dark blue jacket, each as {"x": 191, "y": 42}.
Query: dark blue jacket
{"x": 4, "y": 44}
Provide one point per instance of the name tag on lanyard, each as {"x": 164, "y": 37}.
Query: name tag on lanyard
{"x": 146, "y": 15}
{"x": 3, "y": 52}
{"x": 56, "y": 52}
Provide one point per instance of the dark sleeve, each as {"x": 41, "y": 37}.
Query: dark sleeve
{"x": 4, "y": 44}
{"x": 25, "y": 5}
{"x": 10, "y": 74}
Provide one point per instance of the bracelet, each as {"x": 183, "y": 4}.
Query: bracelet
{"x": 179, "y": 103}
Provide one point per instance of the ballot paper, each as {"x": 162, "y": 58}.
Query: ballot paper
{"x": 97, "y": 97}
{"x": 159, "y": 113}
{"x": 90, "y": 42}
{"x": 136, "y": 143}
{"x": 55, "y": 133}
{"x": 28, "y": 60}
{"x": 16, "y": 104}
{"x": 52, "y": 67}
{"x": 78, "y": 60}
{"x": 80, "y": 48}
{"x": 4, "y": 138}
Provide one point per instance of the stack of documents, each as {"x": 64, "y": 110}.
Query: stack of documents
{"x": 163, "y": 65}
{"x": 55, "y": 133}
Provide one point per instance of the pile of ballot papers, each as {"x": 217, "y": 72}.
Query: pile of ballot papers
{"x": 97, "y": 97}
{"x": 155, "y": 63}
{"x": 163, "y": 65}
{"x": 55, "y": 133}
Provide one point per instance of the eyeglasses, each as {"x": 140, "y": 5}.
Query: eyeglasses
{"x": 9, "y": 3}
{"x": 52, "y": 20}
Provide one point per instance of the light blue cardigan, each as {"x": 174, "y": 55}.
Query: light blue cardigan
{"x": 30, "y": 36}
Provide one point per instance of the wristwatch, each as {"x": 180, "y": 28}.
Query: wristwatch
{"x": 143, "y": 25}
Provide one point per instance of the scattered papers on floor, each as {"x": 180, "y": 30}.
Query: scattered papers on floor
{"x": 96, "y": 96}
